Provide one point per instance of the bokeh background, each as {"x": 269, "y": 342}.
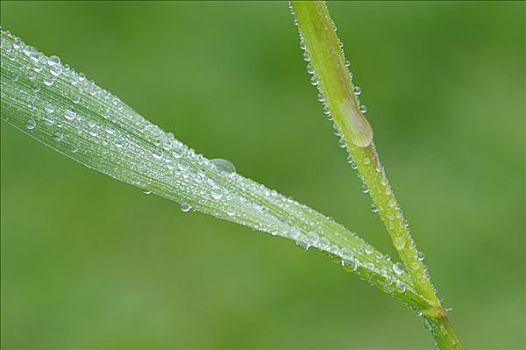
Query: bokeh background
{"x": 88, "y": 262}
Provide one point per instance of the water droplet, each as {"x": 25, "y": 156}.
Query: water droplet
{"x": 70, "y": 114}
{"x": 14, "y": 76}
{"x": 75, "y": 99}
{"x": 374, "y": 208}
{"x": 224, "y": 165}
{"x": 363, "y": 108}
{"x": 398, "y": 268}
{"x": 48, "y": 107}
{"x": 31, "y": 74}
{"x": 421, "y": 256}
{"x": 93, "y": 128}
{"x": 230, "y": 211}
{"x": 368, "y": 249}
{"x": 53, "y": 61}
{"x": 326, "y": 110}
{"x": 217, "y": 193}
{"x": 427, "y": 325}
{"x": 357, "y": 90}
{"x": 341, "y": 143}
{"x": 157, "y": 153}
{"x": 30, "y": 124}
{"x": 49, "y": 80}
{"x": 49, "y": 119}
{"x": 306, "y": 56}
{"x": 74, "y": 148}
{"x": 56, "y": 70}
{"x": 310, "y": 68}
{"x": 146, "y": 191}
{"x": 37, "y": 67}
{"x": 365, "y": 189}
{"x": 58, "y": 136}
{"x": 312, "y": 237}
{"x": 302, "y": 44}
{"x": 109, "y": 129}
{"x": 314, "y": 80}
{"x": 350, "y": 160}
{"x": 185, "y": 207}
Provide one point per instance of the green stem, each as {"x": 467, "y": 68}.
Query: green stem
{"x": 327, "y": 61}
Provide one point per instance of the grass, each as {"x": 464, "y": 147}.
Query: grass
{"x": 64, "y": 110}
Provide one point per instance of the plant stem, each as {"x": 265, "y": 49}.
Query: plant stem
{"x": 333, "y": 79}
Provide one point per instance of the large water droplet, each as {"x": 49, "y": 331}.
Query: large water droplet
{"x": 53, "y": 61}
{"x": 224, "y": 165}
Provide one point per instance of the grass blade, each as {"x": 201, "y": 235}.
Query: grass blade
{"x": 62, "y": 109}
{"x": 328, "y": 65}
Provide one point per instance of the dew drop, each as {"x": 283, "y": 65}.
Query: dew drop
{"x": 427, "y": 325}
{"x": 56, "y": 70}
{"x": 14, "y": 76}
{"x": 76, "y": 98}
{"x": 314, "y": 80}
{"x": 224, "y": 165}
{"x": 217, "y": 193}
{"x": 185, "y": 207}
{"x": 363, "y": 108}
{"x": 230, "y": 211}
{"x": 357, "y": 90}
{"x": 48, "y": 107}
{"x": 49, "y": 80}
{"x": 74, "y": 148}
{"x": 421, "y": 256}
{"x": 53, "y": 61}
{"x": 146, "y": 191}
{"x": 158, "y": 153}
{"x": 365, "y": 189}
{"x": 374, "y": 208}
{"x": 398, "y": 268}
{"x": 70, "y": 114}
{"x": 310, "y": 68}
{"x": 30, "y": 124}
{"x": 312, "y": 237}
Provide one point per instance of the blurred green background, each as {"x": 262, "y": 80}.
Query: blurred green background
{"x": 88, "y": 262}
